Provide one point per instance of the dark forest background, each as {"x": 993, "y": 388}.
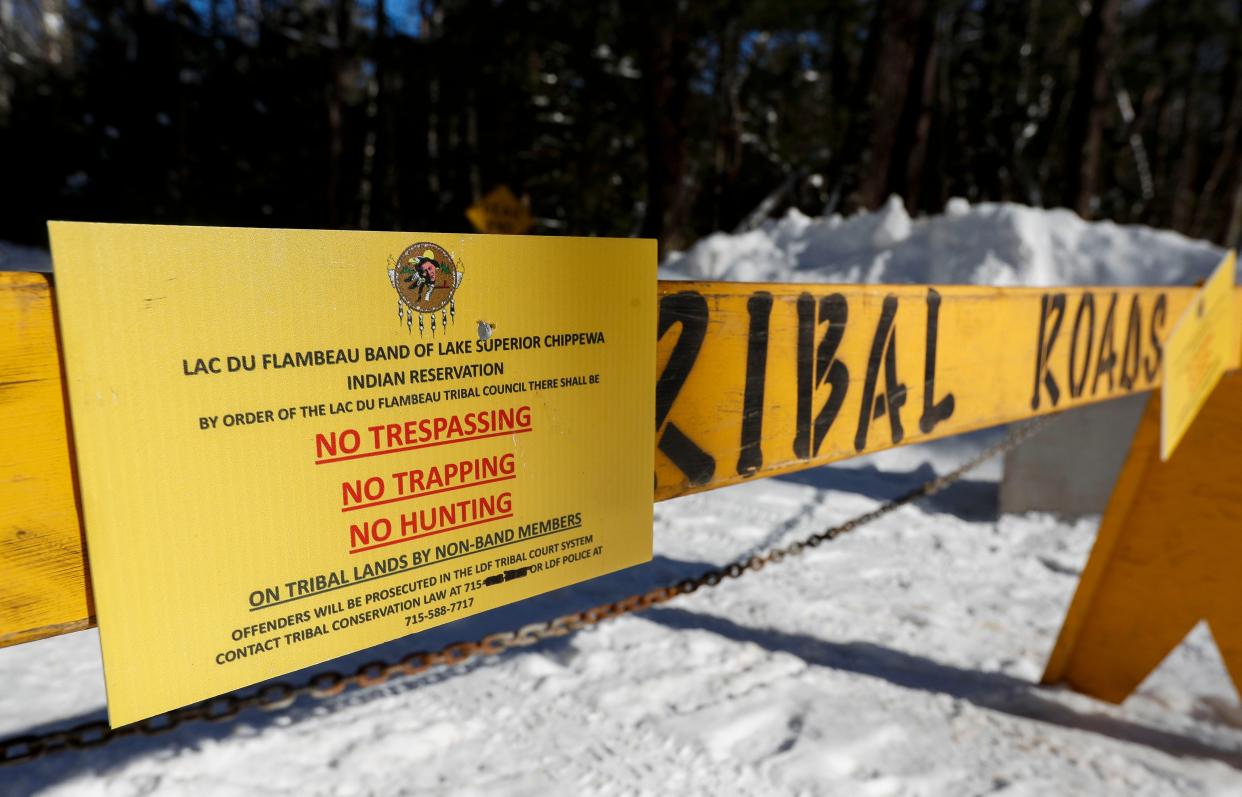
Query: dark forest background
{"x": 659, "y": 118}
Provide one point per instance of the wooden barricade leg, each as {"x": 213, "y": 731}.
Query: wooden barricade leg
{"x": 1168, "y": 554}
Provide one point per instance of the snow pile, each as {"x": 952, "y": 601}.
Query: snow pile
{"x": 15, "y": 257}
{"x": 985, "y": 244}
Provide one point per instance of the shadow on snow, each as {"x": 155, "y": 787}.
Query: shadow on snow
{"x": 62, "y": 766}
{"x": 971, "y": 500}
{"x": 989, "y": 690}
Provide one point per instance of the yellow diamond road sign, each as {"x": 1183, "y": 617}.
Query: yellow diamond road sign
{"x": 1201, "y": 347}
{"x": 500, "y": 212}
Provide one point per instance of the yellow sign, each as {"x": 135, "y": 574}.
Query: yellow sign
{"x": 757, "y": 380}
{"x": 1201, "y": 346}
{"x": 501, "y": 213}
{"x": 297, "y": 444}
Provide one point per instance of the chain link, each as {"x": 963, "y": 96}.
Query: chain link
{"x": 279, "y": 695}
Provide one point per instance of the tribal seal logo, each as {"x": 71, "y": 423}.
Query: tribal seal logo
{"x": 426, "y": 281}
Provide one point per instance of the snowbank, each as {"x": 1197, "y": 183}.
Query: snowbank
{"x": 985, "y": 244}
{"x": 14, "y": 257}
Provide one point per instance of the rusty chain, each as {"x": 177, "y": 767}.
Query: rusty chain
{"x": 280, "y": 695}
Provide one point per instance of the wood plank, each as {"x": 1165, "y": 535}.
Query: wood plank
{"x": 757, "y": 380}
{"x": 753, "y": 381}
{"x": 1166, "y": 556}
{"x": 43, "y": 589}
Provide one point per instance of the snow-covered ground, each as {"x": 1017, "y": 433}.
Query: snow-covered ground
{"x": 901, "y": 659}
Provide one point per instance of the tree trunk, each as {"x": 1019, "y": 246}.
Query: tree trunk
{"x": 904, "y": 48}
{"x": 1184, "y": 194}
{"x": 910, "y": 157}
{"x": 666, "y": 88}
{"x": 370, "y": 185}
{"x": 8, "y": 42}
{"x": 1087, "y": 113}
{"x": 1233, "y": 235}
{"x": 848, "y": 165}
{"x": 57, "y": 41}
{"x": 728, "y": 128}
{"x": 343, "y": 23}
{"x": 1208, "y": 219}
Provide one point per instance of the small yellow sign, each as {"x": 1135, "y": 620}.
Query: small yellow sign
{"x": 501, "y": 213}
{"x": 1201, "y": 347}
{"x": 277, "y": 469}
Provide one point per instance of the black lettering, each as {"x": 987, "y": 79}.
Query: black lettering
{"x": 1087, "y": 302}
{"x": 1132, "y": 350}
{"x": 835, "y": 310}
{"x": 690, "y": 310}
{"x": 1105, "y": 363}
{"x": 1043, "y": 352}
{"x": 806, "y": 381}
{"x": 1151, "y": 365}
{"x": 750, "y": 456}
{"x": 883, "y": 348}
{"x": 933, "y": 411}
{"x": 697, "y": 464}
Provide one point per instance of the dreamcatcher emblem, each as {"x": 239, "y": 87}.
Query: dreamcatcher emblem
{"x": 426, "y": 279}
